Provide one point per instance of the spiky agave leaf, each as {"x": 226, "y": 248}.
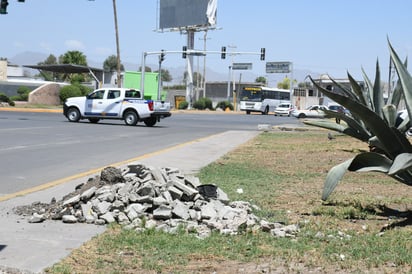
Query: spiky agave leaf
{"x": 370, "y": 161}
{"x": 358, "y": 128}
{"x": 401, "y": 163}
{"x": 377, "y": 92}
{"x": 333, "y": 178}
{"x": 404, "y": 78}
{"x": 353, "y": 128}
{"x": 363, "y": 162}
{"x": 357, "y": 89}
{"x": 369, "y": 89}
{"x": 327, "y": 124}
{"x": 386, "y": 135}
{"x": 390, "y": 114}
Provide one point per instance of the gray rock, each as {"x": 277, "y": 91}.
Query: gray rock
{"x": 208, "y": 211}
{"x": 86, "y": 195}
{"x": 102, "y": 207}
{"x": 73, "y": 200}
{"x": 69, "y": 219}
{"x": 175, "y": 193}
{"x": 163, "y": 212}
{"x": 181, "y": 210}
{"x": 37, "y": 218}
{"x": 108, "y": 217}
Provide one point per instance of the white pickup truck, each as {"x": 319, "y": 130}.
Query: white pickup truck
{"x": 116, "y": 103}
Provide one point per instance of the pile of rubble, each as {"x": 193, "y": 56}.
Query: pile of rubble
{"x": 142, "y": 197}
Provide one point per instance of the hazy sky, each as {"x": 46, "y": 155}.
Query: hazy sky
{"x": 322, "y": 36}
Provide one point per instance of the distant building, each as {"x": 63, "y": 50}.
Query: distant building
{"x": 305, "y": 97}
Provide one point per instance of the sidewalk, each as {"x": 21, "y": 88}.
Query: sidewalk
{"x": 30, "y": 248}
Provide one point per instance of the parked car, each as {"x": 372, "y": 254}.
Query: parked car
{"x": 314, "y": 111}
{"x": 284, "y": 109}
{"x": 337, "y": 108}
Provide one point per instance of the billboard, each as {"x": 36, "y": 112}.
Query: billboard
{"x": 187, "y": 13}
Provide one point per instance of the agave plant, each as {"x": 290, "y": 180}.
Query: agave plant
{"x": 375, "y": 123}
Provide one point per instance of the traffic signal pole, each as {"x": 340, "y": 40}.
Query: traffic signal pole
{"x": 188, "y": 52}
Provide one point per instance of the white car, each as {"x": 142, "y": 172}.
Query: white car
{"x": 284, "y": 109}
{"x": 314, "y": 111}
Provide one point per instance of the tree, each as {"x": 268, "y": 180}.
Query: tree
{"x": 146, "y": 69}
{"x": 285, "y": 84}
{"x": 47, "y": 75}
{"x": 110, "y": 64}
{"x": 73, "y": 57}
{"x": 166, "y": 77}
{"x": 261, "y": 79}
{"x": 77, "y": 58}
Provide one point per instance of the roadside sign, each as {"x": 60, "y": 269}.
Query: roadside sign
{"x": 242, "y": 66}
{"x": 278, "y": 67}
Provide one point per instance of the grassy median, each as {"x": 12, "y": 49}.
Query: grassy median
{"x": 365, "y": 226}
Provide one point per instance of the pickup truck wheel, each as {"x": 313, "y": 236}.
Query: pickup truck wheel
{"x": 150, "y": 121}
{"x": 130, "y": 118}
{"x": 73, "y": 115}
{"x": 94, "y": 120}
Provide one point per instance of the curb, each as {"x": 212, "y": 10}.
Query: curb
{"x": 31, "y": 110}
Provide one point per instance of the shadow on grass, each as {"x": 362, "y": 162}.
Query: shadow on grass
{"x": 404, "y": 217}
{"x": 400, "y": 218}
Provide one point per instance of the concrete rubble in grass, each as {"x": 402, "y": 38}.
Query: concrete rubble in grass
{"x": 143, "y": 197}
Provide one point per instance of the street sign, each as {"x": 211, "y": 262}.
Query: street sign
{"x": 242, "y": 66}
{"x": 278, "y": 67}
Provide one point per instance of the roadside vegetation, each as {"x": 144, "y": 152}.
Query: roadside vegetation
{"x": 365, "y": 226}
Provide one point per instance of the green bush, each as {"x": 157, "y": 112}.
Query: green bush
{"x": 183, "y": 105}
{"x": 203, "y": 103}
{"x": 224, "y": 104}
{"x": 23, "y": 94}
{"x": 69, "y": 91}
{"x": 4, "y": 98}
{"x": 84, "y": 90}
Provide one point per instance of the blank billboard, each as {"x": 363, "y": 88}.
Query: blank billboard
{"x": 185, "y": 13}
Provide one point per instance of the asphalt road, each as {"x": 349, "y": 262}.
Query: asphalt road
{"x": 38, "y": 148}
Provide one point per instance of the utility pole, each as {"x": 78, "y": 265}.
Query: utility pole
{"x": 119, "y": 84}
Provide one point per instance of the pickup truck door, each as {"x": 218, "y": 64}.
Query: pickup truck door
{"x": 112, "y": 105}
{"x": 103, "y": 103}
{"x": 94, "y": 102}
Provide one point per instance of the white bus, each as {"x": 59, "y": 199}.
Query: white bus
{"x": 262, "y": 99}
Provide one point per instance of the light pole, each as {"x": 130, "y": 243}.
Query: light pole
{"x": 119, "y": 84}
{"x": 203, "y": 85}
{"x": 230, "y": 73}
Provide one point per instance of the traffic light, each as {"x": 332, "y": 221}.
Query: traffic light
{"x": 223, "y": 56}
{"x": 3, "y": 6}
{"x": 262, "y": 54}
{"x": 162, "y": 56}
{"x": 184, "y": 52}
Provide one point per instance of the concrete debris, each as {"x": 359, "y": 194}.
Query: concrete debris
{"x": 142, "y": 197}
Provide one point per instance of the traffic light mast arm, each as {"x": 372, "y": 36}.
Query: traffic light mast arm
{"x": 200, "y": 52}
